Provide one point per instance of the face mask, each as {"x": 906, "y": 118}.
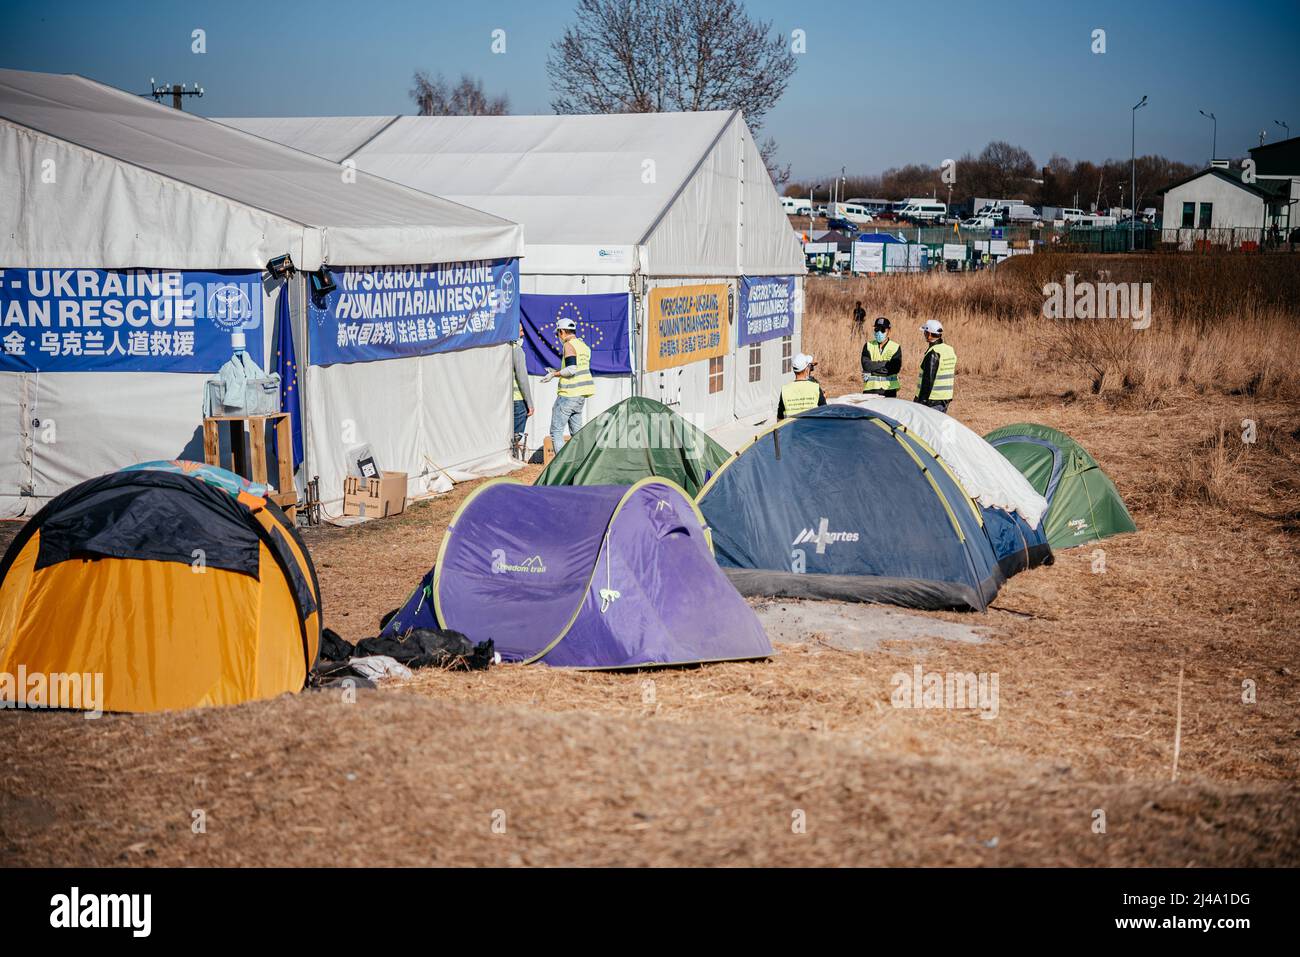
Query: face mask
{"x": 880, "y": 337}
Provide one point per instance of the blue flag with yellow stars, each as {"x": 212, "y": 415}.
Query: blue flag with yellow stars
{"x": 601, "y": 319}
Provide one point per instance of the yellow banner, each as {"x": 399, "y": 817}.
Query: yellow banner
{"x": 686, "y": 324}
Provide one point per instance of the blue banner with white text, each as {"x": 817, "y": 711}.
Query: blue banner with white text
{"x": 126, "y": 320}
{"x": 766, "y": 308}
{"x": 387, "y": 312}
{"x": 602, "y": 321}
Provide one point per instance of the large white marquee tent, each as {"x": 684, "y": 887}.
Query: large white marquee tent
{"x": 94, "y": 178}
{"x": 622, "y": 203}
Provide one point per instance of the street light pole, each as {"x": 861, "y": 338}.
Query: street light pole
{"x": 1284, "y": 127}
{"x": 1132, "y": 238}
{"x": 1214, "y": 143}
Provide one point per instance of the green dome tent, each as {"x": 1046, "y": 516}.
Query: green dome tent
{"x": 632, "y": 440}
{"x": 1082, "y": 503}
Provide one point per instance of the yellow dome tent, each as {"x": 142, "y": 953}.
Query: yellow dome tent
{"x": 173, "y": 584}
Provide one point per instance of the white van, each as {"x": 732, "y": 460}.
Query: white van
{"x": 795, "y": 206}
{"x": 923, "y": 211}
{"x": 1086, "y": 221}
{"x": 850, "y": 211}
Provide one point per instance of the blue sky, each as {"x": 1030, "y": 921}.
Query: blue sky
{"x": 881, "y": 84}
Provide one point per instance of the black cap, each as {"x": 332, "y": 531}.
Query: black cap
{"x": 882, "y": 323}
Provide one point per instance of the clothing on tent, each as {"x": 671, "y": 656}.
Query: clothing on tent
{"x": 1083, "y": 503}
{"x": 176, "y": 584}
{"x": 1016, "y": 544}
{"x": 984, "y": 472}
{"x": 1012, "y": 510}
{"x": 844, "y": 503}
{"x": 636, "y": 439}
{"x": 593, "y": 576}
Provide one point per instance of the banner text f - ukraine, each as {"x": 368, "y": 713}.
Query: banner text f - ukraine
{"x": 387, "y": 312}
{"x": 687, "y": 324}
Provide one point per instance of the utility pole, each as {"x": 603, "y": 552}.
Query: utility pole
{"x": 1132, "y": 232}
{"x": 177, "y": 91}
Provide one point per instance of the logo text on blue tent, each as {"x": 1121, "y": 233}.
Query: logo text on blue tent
{"x": 823, "y": 536}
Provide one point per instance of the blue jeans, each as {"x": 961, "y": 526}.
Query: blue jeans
{"x": 566, "y": 412}
{"x": 521, "y": 415}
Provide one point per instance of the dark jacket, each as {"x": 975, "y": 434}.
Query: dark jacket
{"x": 888, "y": 367}
{"x": 929, "y": 369}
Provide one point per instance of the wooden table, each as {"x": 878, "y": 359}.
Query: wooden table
{"x": 255, "y": 471}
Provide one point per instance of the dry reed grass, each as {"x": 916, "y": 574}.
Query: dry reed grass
{"x": 1216, "y": 326}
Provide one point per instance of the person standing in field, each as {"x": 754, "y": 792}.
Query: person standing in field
{"x": 803, "y": 393}
{"x": 859, "y": 318}
{"x": 938, "y": 369}
{"x": 882, "y": 361}
{"x": 576, "y": 383}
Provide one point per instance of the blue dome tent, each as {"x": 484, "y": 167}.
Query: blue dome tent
{"x": 844, "y": 503}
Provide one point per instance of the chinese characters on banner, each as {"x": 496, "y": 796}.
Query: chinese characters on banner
{"x": 386, "y": 312}
{"x": 686, "y": 324}
{"x": 128, "y": 320}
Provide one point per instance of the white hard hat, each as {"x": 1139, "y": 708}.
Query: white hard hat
{"x": 801, "y": 361}
{"x": 933, "y": 326}
{"x": 567, "y": 324}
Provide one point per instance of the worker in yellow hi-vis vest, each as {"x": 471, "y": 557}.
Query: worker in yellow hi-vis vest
{"x": 803, "y": 393}
{"x": 882, "y": 361}
{"x": 938, "y": 369}
{"x": 576, "y": 383}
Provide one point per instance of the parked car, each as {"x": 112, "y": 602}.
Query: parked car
{"x": 843, "y": 225}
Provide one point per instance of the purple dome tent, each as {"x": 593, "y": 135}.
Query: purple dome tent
{"x": 596, "y": 576}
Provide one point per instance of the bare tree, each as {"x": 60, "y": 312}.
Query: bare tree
{"x": 644, "y": 56}
{"x": 1009, "y": 169}
{"x": 435, "y": 96}
{"x": 780, "y": 173}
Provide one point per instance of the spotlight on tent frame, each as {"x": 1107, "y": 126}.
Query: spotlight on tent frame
{"x": 322, "y": 283}
{"x": 280, "y": 266}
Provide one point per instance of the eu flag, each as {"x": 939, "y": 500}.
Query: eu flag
{"x": 602, "y": 321}
{"x": 286, "y": 364}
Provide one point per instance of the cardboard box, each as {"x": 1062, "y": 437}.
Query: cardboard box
{"x": 375, "y": 498}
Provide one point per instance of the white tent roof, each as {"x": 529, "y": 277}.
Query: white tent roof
{"x": 985, "y": 473}
{"x": 687, "y": 189}
{"x": 139, "y": 184}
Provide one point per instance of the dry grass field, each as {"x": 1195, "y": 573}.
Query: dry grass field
{"x": 712, "y": 765}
